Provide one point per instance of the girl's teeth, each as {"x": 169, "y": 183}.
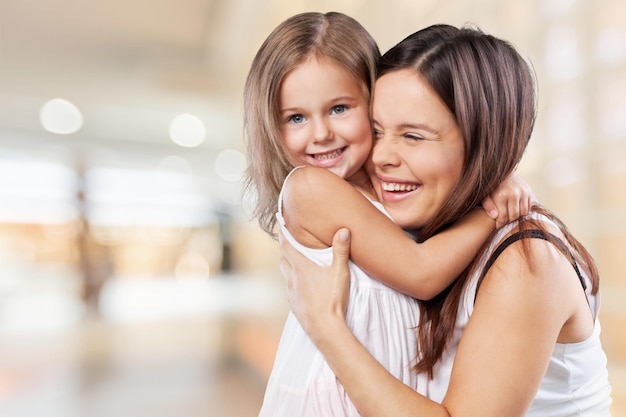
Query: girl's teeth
{"x": 330, "y": 155}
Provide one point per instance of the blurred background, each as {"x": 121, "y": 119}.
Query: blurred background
{"x": 132, "y": 281}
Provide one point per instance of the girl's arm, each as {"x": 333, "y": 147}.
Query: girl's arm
{"x": 516, "y": 316}
{"x": 317, "y": 202}
{"x": 510, "y": 201}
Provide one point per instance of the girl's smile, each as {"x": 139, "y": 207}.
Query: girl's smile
{"x": 325, "y": 117}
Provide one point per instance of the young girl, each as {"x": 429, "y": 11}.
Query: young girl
{"x": 307, "y": 103}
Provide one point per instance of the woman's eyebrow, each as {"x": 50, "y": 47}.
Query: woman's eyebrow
{"x": 420, "y": 126}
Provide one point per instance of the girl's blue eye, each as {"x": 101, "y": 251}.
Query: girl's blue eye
{"x": 296, "y": 118}
{"x": 339, "y": 109}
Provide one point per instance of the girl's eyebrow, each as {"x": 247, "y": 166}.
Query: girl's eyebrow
{"x": 344, "y": 98}
{"x": 332, "y": 101}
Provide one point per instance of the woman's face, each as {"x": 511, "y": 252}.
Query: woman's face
{"x": 418, "y": 150}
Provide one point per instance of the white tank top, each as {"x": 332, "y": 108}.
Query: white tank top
{"x": 576, "y": 381}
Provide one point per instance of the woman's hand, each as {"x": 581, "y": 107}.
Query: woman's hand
{"x": 317, "y": 294}
{"x": 511, "y": 200}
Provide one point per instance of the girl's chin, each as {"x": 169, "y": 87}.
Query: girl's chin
{"x": 326, "y": 163}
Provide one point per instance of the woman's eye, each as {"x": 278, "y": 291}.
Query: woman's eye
{"x": 377, "y": 134}
{"x": 296, "y": 118}
{"x": 339, "y": 109}
{"x": 412, "y": 136}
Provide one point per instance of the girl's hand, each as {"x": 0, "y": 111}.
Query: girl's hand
{"x": 511, "y": 200}
{"x": 317, "y": 294}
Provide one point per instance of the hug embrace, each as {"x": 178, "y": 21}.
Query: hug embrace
{"x": 447, "y": 290}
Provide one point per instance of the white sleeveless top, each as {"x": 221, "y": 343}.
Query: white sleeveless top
{"x": 384, "y": 320}
{"x": 576, "y": 381}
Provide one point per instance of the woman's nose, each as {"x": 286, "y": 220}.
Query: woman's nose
{"x": 383, "y": 153}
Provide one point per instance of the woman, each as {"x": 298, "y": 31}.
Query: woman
{"x": 453, "y": 112}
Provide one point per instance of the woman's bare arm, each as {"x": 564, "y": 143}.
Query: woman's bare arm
{"x": 318, "y": 296}
{"x": 526, "y": 303}
{"x": 516, "y": 316}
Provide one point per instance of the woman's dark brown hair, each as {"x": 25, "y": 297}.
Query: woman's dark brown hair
{"x": 489, "y": 88}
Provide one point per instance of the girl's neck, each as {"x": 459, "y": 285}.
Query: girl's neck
{"x": 362, "y": 182}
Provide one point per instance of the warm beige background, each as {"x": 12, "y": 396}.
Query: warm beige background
{"x": 139, "y": 314}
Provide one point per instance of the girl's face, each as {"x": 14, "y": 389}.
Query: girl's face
{"x": 324, "y": 117}
{"x": 418, "y": 150}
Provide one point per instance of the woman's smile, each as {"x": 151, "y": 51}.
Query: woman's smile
{"x": 418, "y": 149}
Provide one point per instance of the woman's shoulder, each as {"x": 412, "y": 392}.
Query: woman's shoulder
{"x": 532, "y": 231}
{"x": 534, "y": 247}
{"x": 531, "y": 258}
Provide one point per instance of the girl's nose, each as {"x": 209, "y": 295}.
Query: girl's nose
{"x": 322, "y": 131}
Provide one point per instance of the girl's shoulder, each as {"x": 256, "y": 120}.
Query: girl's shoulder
{"x": 307, "y": 184}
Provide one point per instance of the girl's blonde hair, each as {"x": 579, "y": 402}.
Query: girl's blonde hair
{"x": 331, "y": 35}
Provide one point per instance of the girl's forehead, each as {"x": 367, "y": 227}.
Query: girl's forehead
{"x": 328, "y": 69}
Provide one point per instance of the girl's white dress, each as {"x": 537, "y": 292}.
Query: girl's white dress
{"x": 384, "y": 320}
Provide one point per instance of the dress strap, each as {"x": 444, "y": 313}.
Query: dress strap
{"x": 279, "y": 209}
{"x": 530, "y": 234}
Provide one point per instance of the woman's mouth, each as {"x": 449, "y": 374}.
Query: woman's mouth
{"x": 396, "y": 187}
